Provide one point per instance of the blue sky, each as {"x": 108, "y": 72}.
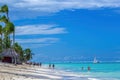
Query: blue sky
{"x": 67, "y": 29}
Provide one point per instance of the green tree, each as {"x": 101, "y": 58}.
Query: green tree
{"x": 6, "y": 29}
{"x": 27, "y": 54}
{"x": 9, "y": 27}
{"x": 4, "y": 9}
{"x": 19, "y": 50}
{"x": 3, "y": 19}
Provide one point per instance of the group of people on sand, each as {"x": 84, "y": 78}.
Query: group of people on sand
{"x": 34, "y": 64}
{"x": 51, "y": 66}
{"x": 88, "y": 68}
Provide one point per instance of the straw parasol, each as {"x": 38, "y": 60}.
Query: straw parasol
{"x": 10, "y": 56}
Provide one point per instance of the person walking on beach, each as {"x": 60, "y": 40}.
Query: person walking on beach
{"x": 40, "y": 64}
{"x": 53, "y": 66}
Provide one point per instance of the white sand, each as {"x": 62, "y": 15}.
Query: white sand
{"x": 26, "y": 72}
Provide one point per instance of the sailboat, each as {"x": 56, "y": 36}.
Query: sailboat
{"x": 95, "y": 60}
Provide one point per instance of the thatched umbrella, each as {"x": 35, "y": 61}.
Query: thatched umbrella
{"x": 9, "y": 55}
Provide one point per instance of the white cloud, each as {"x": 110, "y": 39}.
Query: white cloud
{"x": 38, "y": 41}
{"x": 47, "y": 5}
{"x": 35, "y": 8}
{"x": 35, "y": 46}
{"x": 39, "y": 29}
{"x": 57, "y": 5}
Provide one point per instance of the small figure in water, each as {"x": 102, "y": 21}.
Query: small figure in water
{"x": 89, "y": 68}
{"x": 82, "y": 68}
{"x": 53, "y": 66}
{"x": 49, "y": 65}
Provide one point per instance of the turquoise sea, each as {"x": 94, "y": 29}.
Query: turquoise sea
{"x": 100, "y": 71}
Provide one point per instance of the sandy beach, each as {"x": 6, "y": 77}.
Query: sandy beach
{"x": 27, "y": 72}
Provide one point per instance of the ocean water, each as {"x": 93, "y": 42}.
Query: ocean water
{"x": 100, "y": 71}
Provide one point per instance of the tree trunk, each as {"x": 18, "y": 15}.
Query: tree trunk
{"x": 14, "y": 37}
{"x": 7, "y": 16}
{"x": 1, "y": 43}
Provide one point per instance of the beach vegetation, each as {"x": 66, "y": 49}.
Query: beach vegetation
{"x": 6, "y": 41}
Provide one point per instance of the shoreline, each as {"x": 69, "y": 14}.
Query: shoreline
{"x": 30, "y": 72}
{"x": 27, "y": 72}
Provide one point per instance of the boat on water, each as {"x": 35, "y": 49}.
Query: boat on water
{"x": 95, "y": 60}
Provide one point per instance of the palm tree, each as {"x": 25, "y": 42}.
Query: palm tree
{"x": 3, "y": 19}
{"x": 27, "y": 54}
{"x": 10, "y": 28}
{"x": 18, "y": 48}
{"x": 7, "y": 30}
{"x": 5, "y": 9}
